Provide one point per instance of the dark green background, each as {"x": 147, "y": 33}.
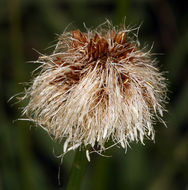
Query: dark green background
{"x": 28, "y": 156}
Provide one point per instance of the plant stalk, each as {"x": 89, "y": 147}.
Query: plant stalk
{"x": 77, "y": 171}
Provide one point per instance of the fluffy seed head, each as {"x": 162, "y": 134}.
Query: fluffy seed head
{"x": 97, "y": 86}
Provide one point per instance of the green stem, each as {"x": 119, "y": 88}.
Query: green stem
{"x": 78, "y": 170}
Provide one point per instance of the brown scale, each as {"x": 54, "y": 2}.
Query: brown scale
{"x": 70, "y": 77}
{"x": 120, "y": 38}
{"x": 124, "y": 79}
{"x": 96, "y": 48}
{"x": 146, "y": 96}
{"x": 100, "y": 98}
{"x": 79, "y": 39}
{"x": 58, "y": 61}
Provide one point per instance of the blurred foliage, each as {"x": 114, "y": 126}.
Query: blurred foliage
{"x": 29, "y": 156}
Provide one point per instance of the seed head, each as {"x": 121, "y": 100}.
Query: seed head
{"x": 95, "y": 87}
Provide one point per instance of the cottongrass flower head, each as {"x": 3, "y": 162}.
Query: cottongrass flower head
{"x": 95, "y": 87}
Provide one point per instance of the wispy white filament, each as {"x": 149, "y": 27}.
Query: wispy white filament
{"x": 100, "y": 105}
